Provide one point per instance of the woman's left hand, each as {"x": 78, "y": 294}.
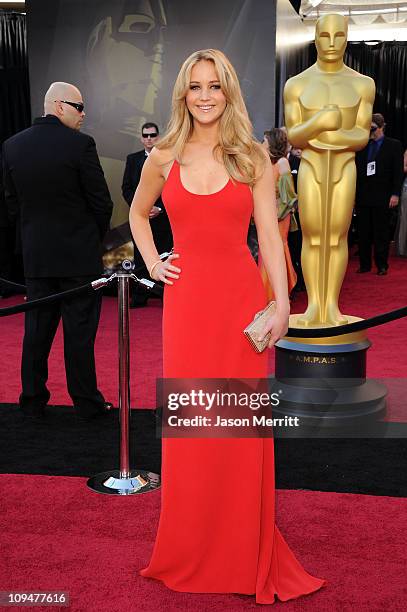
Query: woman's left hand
{"x": 277, "y": 323}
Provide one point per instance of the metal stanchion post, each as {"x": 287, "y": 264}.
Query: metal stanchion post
{"x": 124, "y": 481}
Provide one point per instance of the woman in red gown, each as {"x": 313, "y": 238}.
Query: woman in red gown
{"x": 216, "y": 532}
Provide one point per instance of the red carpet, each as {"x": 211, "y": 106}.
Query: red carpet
{"x": 363, "y": 295}
{"x": 93, "y": 546}
{"x": 58, "y": 535}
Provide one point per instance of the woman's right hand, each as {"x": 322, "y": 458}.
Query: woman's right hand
{"x": 165, "y": 270}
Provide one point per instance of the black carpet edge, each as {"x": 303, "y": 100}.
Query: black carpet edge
{"x": 62, "y": 445}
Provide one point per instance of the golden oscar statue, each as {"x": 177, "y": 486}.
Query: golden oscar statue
{"x": 328, "y": 110}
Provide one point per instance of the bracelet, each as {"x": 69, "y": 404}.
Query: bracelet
{"x": 153, "y": 266}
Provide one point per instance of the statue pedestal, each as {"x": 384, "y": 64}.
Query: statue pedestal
{"x": 323, "y": 381}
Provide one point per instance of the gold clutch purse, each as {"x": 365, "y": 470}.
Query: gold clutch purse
{"x": 254, "y": 329}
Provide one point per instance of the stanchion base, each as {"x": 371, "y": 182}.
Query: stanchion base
{"x": 110, "y": 483}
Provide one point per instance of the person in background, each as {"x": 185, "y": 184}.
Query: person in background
{"x": 379, "y": 168}
{"x": 294, "y": 159}
{"x": 295, "y": 238}
{"x": 276, "y": 144}
{"x": 401, "y": 230}
{"x": 55, "y": 187}
{"x": 159, "y": 222}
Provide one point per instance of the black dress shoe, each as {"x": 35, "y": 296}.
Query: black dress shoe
{"x": 381, "y": 272}
{"x": 33, "y": 413}
{"x": 104, "y": 411}
{"x": 31, "y": 409}
{"x": 362, "y": 270}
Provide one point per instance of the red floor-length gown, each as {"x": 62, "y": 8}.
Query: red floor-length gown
{"x": 216, "y": 532}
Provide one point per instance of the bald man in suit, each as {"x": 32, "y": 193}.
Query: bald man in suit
{"x": 55, "y": 188}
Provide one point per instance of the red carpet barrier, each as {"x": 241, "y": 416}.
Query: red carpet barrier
{"x": 296, "y": 332}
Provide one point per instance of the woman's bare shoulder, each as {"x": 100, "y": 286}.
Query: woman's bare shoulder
{"x": 162, "y": 159}
{"x": 284, "y": 165}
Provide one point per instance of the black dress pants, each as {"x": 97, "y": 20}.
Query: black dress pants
{"x": 80, "y": 318}
{"x": 373, "y": 230}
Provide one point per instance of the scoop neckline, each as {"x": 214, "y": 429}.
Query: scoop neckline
{"x": 200, "y": 195}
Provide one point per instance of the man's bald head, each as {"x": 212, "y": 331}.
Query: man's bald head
{"x": 56, "y": 103}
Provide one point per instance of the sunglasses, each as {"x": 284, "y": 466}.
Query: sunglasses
{"x": 374, "y": 128}
{"x": 153, "y": 135}
{"x": 78, "y": 105}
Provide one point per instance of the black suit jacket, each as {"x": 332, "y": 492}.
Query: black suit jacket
{"x": 54, "y": 183}
{"x": 294, "y": 162}
{"x": 377, "y": 189}
{"x": 134, "y": 164}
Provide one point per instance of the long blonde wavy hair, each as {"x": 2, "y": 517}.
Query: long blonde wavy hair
{"x": 241, "y": 154}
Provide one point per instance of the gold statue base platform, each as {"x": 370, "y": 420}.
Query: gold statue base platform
{"x": 342, "y": 339}
{"x": 322, "y": 381}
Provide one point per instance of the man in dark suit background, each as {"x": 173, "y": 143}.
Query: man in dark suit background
{"x": 160, "y": 225}
{"x": 55, "y": 186}
{"x": 379, "y": 178}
